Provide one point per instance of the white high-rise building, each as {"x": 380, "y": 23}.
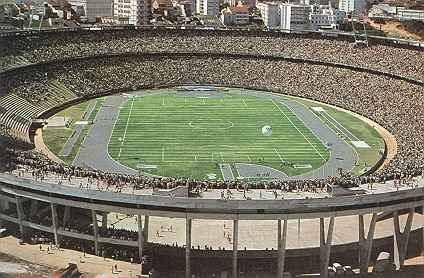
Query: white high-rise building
{"x": 326, "y": 17}
{"x": 357, "y": 7}
{"x": 270, "y": 13}
{"x": 409, "y": 14}
{"x": 294, "y": 17}
{"x": 207, "y": 7}
{"x": 133, "y": 12}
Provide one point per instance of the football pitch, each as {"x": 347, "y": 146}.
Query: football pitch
{"x": 188, "y": 134}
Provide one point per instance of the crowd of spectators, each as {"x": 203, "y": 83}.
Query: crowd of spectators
{"x": 40, "y": 167}
{"x": 49, "y": 46}
{"x": 393, "y": 103}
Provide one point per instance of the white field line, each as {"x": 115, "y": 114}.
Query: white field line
{"x": 269, "y": 155}
{"x": 264, "y": 149}
{"x": 279, "y": 108}
{"x": 279, "y": 155}
{"x": 163, "y": 153}
{"x": 352, "y": 147}
{"x": 227, "y": 167}
{"x": 248, "y": 151}
{"x": 238, "y": 174}
{"x": 126, "y": 128}
{"x": 231, "y": 171}
{"x": 342, "y": 126}
{"x": 333, "y": 125}
{"x": 222, "y": 172}
{"x": 245, "y": 104}
{"x": 295, "y": 161}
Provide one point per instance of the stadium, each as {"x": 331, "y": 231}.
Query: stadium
{"x": 170, "y": 167}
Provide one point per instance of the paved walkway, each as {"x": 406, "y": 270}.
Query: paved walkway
{"x": 256, "y": 235}
{"x": 94, "y": 150}
{"x": 70, "y": 143}
{"x": 59, "y": 259}
{"x": 227, "y": 173}
{"x": 254, "y": 194}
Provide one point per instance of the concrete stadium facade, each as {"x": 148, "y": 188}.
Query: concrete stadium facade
{"x": 17, "y": 190}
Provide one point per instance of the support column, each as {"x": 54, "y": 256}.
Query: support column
{"x": 104, "y": 220}
{"x": 34, "y": 208}
{"x": 422, "y": 234}
{"x": 66, "y": 215}
{"x": 4, "y": 205}
{"x": 20, "y": 211}
{"x": 365, "y": 243}
{"x": 140, "y": 242}
{"x": 140, "y": 237}
{"x": 55, "y": 222}
{"x": 146, "y": 228}
{"x": 235, "y": 248}
{"x": 325, "y": 246}
{"x": 96, "y": 232}
{"x": 188, "y": 247}
{"x": 401, "y": 239}
{"x": 282, "y": 238}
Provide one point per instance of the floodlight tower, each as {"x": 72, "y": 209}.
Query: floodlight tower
{"x": 358, "y": 39}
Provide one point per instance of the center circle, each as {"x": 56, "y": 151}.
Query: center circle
{"x": 205, "y": 124}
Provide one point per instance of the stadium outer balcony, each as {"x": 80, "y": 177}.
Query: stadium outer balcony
{"x": 18, "y": 190}
{"x": 15, "y": 190}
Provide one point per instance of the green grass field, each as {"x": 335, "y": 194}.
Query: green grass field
{"x": 188, "y": 136}
{"x": 367, "y": 156}
{"x": 56, "y": 138}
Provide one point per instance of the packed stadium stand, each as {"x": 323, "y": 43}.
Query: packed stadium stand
{"x": 43, "y": 72}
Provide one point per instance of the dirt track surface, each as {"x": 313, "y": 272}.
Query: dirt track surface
{"x": 11, "y": 267}
{"x": 394, "y": 28}
{"x": 41, "y": 264}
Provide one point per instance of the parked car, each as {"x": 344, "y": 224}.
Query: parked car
{"x": 338, "y": 268}
{"x": 347, "y": 269}
{"x": 3, "y": 232}
{"x": 383, "y": 263}
{"x": 331, "y": 272}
